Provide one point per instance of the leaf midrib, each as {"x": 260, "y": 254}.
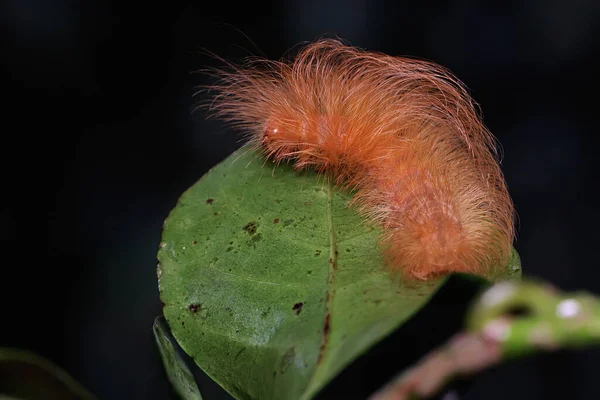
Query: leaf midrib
{"x": 323, "y": 351}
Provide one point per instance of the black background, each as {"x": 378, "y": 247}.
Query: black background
{"x": 98, "y": 142}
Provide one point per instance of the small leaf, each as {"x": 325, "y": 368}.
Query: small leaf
{"x": 27, "y": 376}
{"x": 177, "y": 371}
{"x": 272, "y": 283}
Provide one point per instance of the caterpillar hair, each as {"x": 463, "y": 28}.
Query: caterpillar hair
{"x": 404, "y": 133}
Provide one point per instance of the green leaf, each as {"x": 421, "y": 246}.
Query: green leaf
{"x": 177, "y": 371}
{"x": 28, "y": 376}
{"x": 272, "y": 283}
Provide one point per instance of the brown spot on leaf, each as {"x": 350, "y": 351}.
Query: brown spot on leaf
{"x": 199, "y": 310}
{"x": 195, "y": 242}
{"x": 210, "y": 201}
{"x": 251, "y": 227}
{"x": 298, "y": 308}
{"x": 195, "y": 307}
{"x": 276, "y": 221}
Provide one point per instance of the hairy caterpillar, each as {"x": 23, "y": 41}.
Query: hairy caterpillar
{"x": 404, "y": 133}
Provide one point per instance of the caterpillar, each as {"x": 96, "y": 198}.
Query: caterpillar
{"x": 403, "y": 133}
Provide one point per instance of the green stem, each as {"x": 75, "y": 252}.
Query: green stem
{"x": 510, "y": 319}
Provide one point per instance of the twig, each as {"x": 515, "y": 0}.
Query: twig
{"x": 510, "y": 319}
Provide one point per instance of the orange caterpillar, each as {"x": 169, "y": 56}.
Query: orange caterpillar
{"x": 404, "y": 133}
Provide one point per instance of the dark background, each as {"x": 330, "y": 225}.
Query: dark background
{"x": 98, "y": 141}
